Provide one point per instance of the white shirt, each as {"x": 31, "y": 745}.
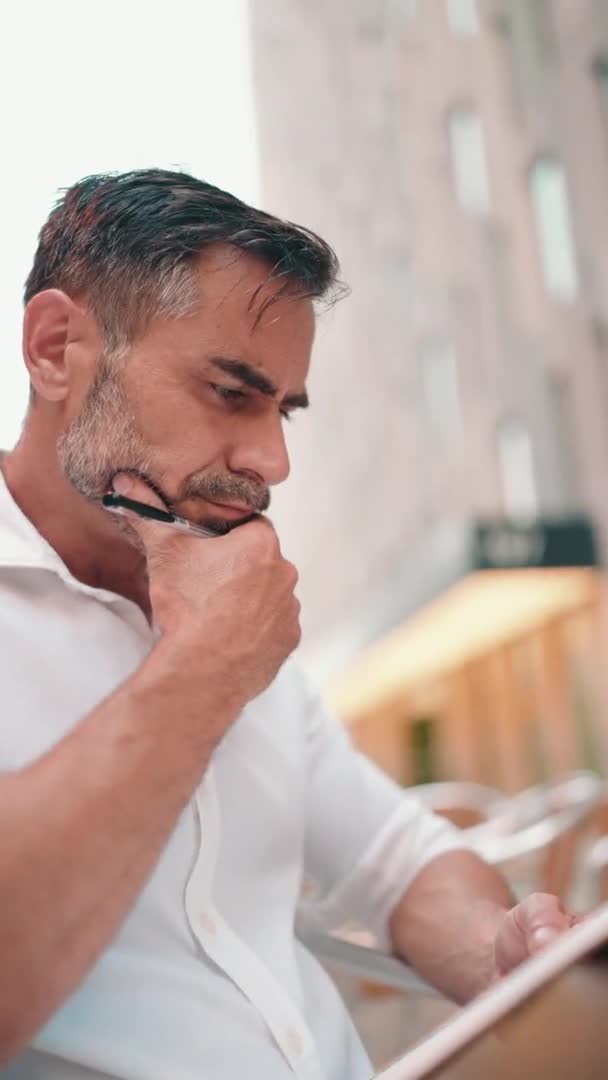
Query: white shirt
{"x": 206, "y": 980}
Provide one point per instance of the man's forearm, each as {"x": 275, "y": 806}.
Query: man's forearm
{"x": 446, "y": 924}
{"x": 84, "y": 828}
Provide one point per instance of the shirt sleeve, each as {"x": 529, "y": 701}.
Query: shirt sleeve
{"x": 366, "y": 838}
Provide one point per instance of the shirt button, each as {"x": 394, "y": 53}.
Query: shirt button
{"x": 208, "y": 923}
{"x": 294, "y": 1042}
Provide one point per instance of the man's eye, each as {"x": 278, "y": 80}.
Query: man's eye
{"x": 287, "y": 415}
{"x": 228, "y": 393}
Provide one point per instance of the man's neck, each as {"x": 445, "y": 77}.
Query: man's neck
{"x": 83, "y": 535}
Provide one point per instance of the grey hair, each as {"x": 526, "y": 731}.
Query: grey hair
{"x": 126, "y": 242}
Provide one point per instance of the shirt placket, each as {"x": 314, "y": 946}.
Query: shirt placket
{"x": 283, "y": 1019}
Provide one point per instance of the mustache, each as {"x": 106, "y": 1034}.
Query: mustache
{"x": 226, "y": 488}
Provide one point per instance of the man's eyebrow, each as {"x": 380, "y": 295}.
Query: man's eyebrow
{"x": 250, "y": 376}
{"x": 246, "y": 374}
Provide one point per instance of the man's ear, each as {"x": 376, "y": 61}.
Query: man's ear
{"x": 45, "y": 337}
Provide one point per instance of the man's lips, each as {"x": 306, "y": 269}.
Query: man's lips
{"x": 232, "y": 511}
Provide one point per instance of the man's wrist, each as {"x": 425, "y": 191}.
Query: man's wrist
{"x": 194, "y": 673}
{"x": 168, "y": 692}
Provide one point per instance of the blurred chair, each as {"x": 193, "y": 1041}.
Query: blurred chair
{"x": 464, "y": 803}
{"x": 390, "y": 1006}
{"x": 362, "y": 961}
{"x": 595, "y": 862}
{"x": 596, "y": 868}
{"x": 534, "y": 836}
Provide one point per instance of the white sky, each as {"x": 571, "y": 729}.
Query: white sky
{"x": 121, "y": 85}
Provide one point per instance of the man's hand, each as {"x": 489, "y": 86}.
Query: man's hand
{"x": 527, "y": 928}
{"x": 458, "y": 925}
{"x": 226, "y": 605}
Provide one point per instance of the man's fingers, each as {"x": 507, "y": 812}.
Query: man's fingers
{"x": 135, "y": 488}
{"x": 529, "y": 927}
{"x": 153, "y": 536}
{"x": 542, "y": 919}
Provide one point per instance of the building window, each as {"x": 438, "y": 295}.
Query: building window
{"x": 564, "y": 456}
{"x": 533, "y": 44}
{"x": 440, "y": 386}
{"x": 516, "y": 462}
{"x": 551, "y": 205}
{"x": 469, "y": 160}
{"x": 600, "y": 69}
{"x": 402, "y": 9}
{"x": 462, "y": 17}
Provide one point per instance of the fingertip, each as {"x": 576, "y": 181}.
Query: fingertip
{"x": 136, "y": 488}
{"x": 542, "y": 937}
{"x": 122, "y": 484}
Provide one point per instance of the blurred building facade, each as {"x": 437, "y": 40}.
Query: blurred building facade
{"x": 455, "y": 153}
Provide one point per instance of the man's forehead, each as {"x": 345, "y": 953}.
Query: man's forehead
{"x": 230, "y": 278}
{"x": 242, "y": 317}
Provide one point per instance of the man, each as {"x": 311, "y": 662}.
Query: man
{"x": 169, "y": 777}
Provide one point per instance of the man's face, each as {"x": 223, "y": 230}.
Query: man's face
{"x": 198, "y": 405}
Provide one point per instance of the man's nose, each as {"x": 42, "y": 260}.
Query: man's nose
{"x": 262, "y": 451}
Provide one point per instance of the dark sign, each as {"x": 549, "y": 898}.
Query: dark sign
{"x": 546, "y": 543}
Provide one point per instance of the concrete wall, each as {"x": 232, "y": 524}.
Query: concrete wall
{"x": 353, "y": 98}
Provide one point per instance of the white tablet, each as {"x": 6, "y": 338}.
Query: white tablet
{"x": 475, "y": 1019}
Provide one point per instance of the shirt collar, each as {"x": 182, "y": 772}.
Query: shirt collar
{"x": 22, "y": 546}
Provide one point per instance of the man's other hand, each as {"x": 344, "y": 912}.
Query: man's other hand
{"x": 527, "y": 928}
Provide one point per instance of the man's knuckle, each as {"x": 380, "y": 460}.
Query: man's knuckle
{"x": 264, "y": 541}
{"x": 292, "y": 575}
